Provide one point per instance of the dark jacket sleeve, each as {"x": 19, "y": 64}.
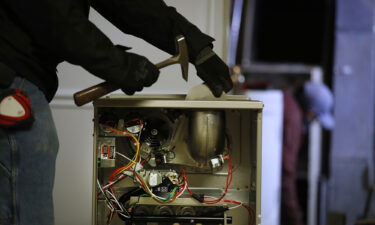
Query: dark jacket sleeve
{"x": 61, "y": 27}
{"x": 153, "y": 21}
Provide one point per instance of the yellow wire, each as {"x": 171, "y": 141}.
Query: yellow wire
{"x": 135, "y": 158}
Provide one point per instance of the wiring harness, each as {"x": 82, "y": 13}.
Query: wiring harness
{"x": 134, "y": 169}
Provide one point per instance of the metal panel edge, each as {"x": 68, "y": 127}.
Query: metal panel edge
{"x": 135, "y": 103}
{"x": 258, "y": 219}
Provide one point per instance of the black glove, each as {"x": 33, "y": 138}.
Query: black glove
{"x": 213, "y": 71}
{"x": 141, "y": 73}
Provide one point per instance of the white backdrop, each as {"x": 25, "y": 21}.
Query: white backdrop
{"x": 72, "y": 193}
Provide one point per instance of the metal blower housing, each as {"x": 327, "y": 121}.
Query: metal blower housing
{"x": 206, "y": 135}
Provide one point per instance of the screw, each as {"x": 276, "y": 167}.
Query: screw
{"x": 154, "y": 132}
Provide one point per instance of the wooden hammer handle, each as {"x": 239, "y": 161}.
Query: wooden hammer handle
{"x": 94, "y": 92}
{"x": 89, "y": 94}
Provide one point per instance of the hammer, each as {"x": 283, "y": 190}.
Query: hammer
{"x": 89, "y": 94}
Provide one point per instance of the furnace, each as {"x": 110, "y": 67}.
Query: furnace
{"x": 162, "y": 159}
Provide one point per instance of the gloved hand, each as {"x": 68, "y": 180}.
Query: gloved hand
{"x": 213, "y": 71}
{"x": 141, "y": 73}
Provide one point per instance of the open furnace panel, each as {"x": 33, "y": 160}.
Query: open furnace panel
{"x": 164, "y": 160}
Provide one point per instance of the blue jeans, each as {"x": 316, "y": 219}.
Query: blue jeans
{"x": 27, "y": 164}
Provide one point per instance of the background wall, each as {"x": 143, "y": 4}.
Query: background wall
{"x": 74, "y": 125}
{"x": 352, "y": 172}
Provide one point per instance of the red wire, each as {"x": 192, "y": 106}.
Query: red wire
{"x": 249, "y": 209}
{"x": 113, "y": 175}
{"x": 228, "y": 182}
{"x": 185, "y": 179}
{"x": 183, "y": 174}
{"x": 146, "y": 159}
{"x": 114, "y": 182}
{"x": 227, "y": 185}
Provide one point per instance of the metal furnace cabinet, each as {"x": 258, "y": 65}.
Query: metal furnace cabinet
{"x": 161, "y": 159}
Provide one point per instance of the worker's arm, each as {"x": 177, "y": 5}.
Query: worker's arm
{"x": 61, "y": 28}
{"x": 159, "y": 24}
{"x": 153, "y": 21}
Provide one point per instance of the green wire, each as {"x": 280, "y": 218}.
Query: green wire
{"x": 172, "y": 193}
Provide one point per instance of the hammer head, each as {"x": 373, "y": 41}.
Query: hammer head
{"x": 183, "y": 56}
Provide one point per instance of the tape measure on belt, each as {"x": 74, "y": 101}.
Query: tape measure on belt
{"x": 15, "y": 109}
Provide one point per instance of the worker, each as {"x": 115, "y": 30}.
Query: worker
{"x": 313, "y": 100}
{"x": 35, "y": 36}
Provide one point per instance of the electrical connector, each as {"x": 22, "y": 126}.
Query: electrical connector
{"x": 198, "y": 197}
